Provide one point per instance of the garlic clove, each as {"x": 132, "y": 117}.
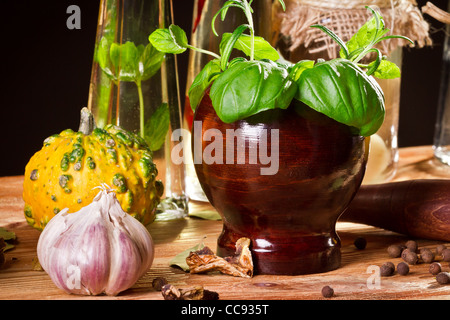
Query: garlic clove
{"x": 99, "y": 249}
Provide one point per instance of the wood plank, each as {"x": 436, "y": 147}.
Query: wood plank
{"x": 19, "y": 281}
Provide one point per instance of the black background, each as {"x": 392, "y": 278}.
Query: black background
{"x": 46, "y": 70}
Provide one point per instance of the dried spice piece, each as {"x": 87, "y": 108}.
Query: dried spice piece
{"x": 409, "y": 256}
{"x": 239, "y": 265}
{"x": 387, "y": 269}
{"x": 327, "y": 292}
{"x": 360, "y": 243}
{"x": 411, "y": 245}
{"x": 170, "y": 292}
{"x": 426, "y": 255}
{"x": 394, "y": 251}
{"x": 446, "y": 254}
{"x": 443, "y": 278}
{"x": 403, "y": 268}
{"x": 435, "y": 268}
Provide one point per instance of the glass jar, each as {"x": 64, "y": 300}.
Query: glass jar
{"x": 296, "y": 40}
{"x": 136, "y": 87}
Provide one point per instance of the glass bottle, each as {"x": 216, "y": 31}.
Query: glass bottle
{"x": 203, "y": 37}
{"x": 441, "y": 144}
{"x": 136, "y": 87}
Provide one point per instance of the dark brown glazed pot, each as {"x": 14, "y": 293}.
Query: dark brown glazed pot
{"x": 289, "y": 216}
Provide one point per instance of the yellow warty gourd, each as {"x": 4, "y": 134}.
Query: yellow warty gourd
{"x": 64, "y": 173}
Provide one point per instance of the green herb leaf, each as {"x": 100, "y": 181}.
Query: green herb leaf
{"x": 296, "y": 70}
{"x": 343, "y": 92}
{"x": 386, "y": 70}
{"x": 180, "y": 259}
{"x": 157, "y": 127}
{"x": 332, "y": 35}
{"x": 202, "y": 81}
{"x": 223, "y": 11}
{"x": 171, "y": 40}
{"x": 227, "y": 44}
{"x": 129, "y": 57}
{"x": 7, "y": 235}
{"x": 103, "y": 57}
{"x": 263, "y": 49}
{"x": 249, "y": 87}
{"x": 206, "y": 215}
{"x": 149, "y": 62}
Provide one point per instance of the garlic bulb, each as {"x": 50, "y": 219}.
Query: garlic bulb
{"x": 99, "y": 249}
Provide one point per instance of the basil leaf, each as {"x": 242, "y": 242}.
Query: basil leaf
{"x": 172, "y": 40}
{"x": 386, "y": 70}
{"x": 343, "y": 92}
{"x": 157, "y": 127}
{"x": 296, "y": 70}
{"x": 249, "y": 87}
{"x": 263, "y": 49}
{"x": 202, "y": 81}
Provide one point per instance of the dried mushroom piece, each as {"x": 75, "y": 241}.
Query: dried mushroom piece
{"x": 239, "y": 265}
{"x": 170, "y": 292}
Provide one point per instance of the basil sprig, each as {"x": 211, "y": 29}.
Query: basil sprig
{"x": 343, "y": 89}
{"x": 130, "y": 63}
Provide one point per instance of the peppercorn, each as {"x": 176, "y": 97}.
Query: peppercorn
{"x": 411, "y": 245}
{"x": 435, "y": 268}
{"x": 409, "y": 256}
{"x": 394, "y": 251}
{"x": 446, "y": 254}
{"x": 360, "y": 243}
{"x": 426, "y": 255}
{"x": 403, "y": 268}
{"x": 443, "y": 277}
{"x": 387, "y": 269}
{"x": 327, "y": 292}
{"x": 158, "y": 283}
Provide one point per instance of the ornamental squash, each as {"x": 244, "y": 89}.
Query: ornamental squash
{"x": 64, "y": 173}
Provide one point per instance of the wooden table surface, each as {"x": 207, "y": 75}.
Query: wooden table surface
{"x": 19, "y": 281}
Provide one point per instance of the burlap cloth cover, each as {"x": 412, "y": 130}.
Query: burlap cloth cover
{"x": 345, "y": 17}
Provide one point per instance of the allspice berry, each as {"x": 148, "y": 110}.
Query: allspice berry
{"x": 435, "y": 268}
{"x": 411, "y": 245}
{"x": 427, "y": 255}
{"x": 443, "y": 278}
{"x": 394, "y": 251}
{"x": 409, "y": 256}
{"x": 403, "y": 268}
{"x": 446, "y": 254}
{"x": 158, "y": 283}
{"x": 327, "y": 292}
{"x": 387, "y": 269}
